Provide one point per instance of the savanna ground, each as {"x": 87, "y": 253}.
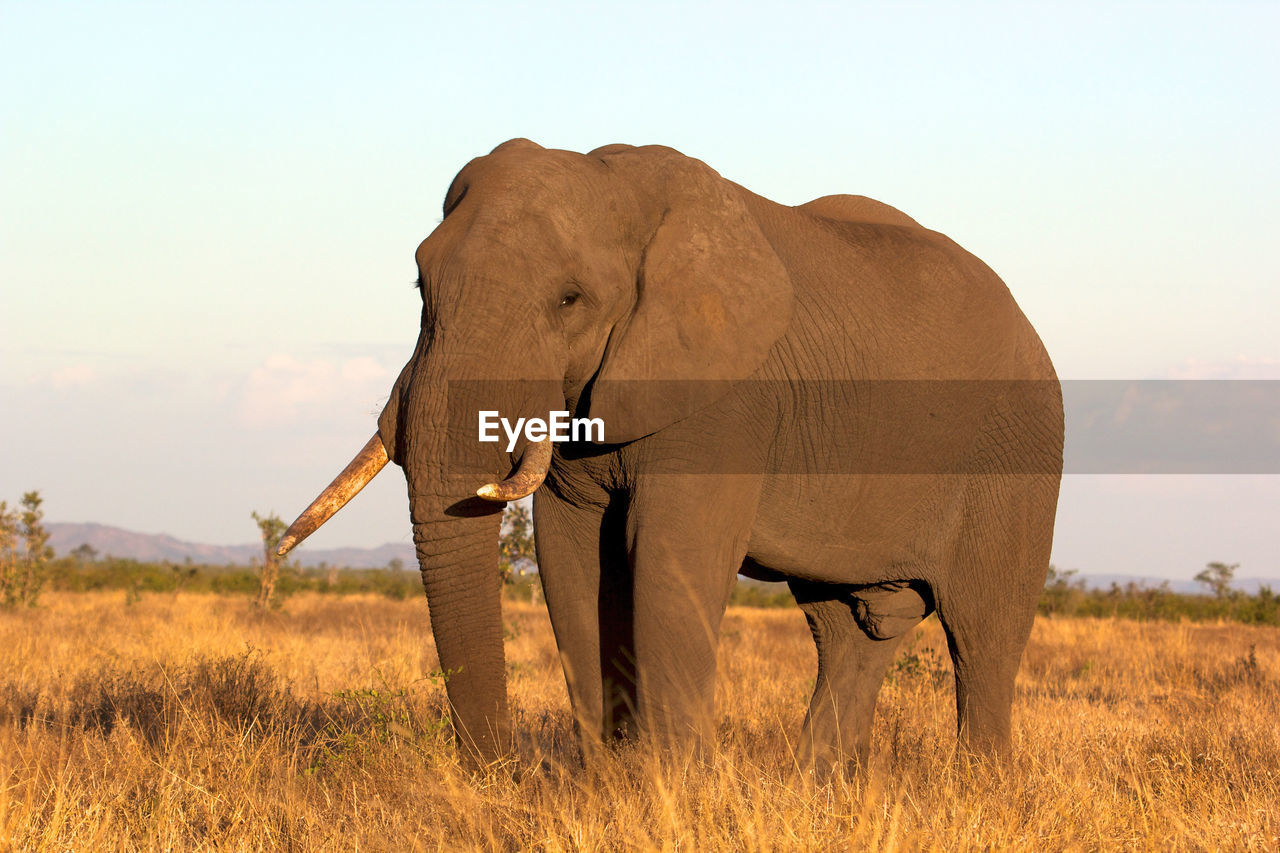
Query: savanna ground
{"x": 191, "y": 721}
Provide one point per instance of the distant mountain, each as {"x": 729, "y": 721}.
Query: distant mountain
{"x": 160, "y": 547}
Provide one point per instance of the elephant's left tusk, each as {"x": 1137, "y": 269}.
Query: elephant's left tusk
{"x": 368, "y": 462}
{"x": 534, "y": 465}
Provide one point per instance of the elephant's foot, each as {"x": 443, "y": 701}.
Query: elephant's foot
{"x": 822, "y": 759}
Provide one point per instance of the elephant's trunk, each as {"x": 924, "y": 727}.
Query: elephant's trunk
{"x": 455, "y": 526}
{"x": 459, "y": 562}
{"x": 457, "y": 545}
{"x": 456, "y": 536}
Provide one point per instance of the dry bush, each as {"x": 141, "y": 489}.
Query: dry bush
{"x": 188, "y": 722}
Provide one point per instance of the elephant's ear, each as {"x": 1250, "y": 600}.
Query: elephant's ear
{"x": 712, "y": 297}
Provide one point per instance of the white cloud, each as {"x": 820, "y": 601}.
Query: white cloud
{"x": 363, "y": 369}
{"x": 284, "y": 389}
{"x": 73, "y": 375}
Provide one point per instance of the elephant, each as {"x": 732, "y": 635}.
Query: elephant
{"x": 827, "y": 394}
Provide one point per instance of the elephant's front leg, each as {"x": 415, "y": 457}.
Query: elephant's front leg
{"x": 584, "y": 573}
{"x": 687, "y": 536}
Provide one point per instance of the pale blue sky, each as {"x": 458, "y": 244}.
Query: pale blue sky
{"x": 208, "y": 213}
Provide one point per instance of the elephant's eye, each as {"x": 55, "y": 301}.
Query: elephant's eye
{"x": 569, "y": 298}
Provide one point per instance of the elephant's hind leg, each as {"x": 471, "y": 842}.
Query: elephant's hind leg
{"x": 985, "y": 653}
{"x": 856, "y": 634}
{"x": 988, "y": 603}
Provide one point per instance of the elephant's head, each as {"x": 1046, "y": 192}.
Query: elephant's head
{"x": 563, "y": 281}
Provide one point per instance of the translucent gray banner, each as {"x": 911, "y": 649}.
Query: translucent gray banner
{"x": 1172, "y": 426}
{"x": 843, "y": 427}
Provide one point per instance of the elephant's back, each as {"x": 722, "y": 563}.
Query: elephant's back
{"x": 878, "y": 296}
{"x": 856, "y": 208}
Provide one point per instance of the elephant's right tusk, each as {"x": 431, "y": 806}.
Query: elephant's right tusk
{"x": 534, "y": 465}
{"x": 368, "y": 462}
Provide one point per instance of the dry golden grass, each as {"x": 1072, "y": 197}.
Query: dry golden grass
{"x": 189, "y": 722}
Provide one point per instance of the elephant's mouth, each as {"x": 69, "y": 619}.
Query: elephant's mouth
{"x": 372, "y": 458}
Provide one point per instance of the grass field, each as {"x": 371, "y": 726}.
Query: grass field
{"x": 183, "y": 722}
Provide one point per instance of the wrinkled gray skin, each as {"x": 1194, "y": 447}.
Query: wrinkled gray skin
{"x": 591, "y": 271}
